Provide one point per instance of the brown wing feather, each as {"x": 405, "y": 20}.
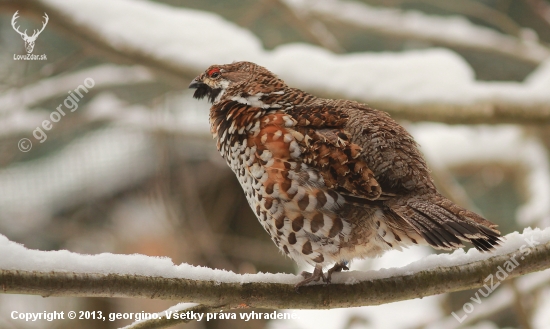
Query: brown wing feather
{"x": 329, "y": 149}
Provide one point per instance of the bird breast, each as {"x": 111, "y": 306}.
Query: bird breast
{"x": 289, "y": 198}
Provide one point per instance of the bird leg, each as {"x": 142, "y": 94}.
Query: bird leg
{"x": 309, "y": 277}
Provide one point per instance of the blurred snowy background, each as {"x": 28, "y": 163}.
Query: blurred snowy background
{"x": 134, "y": 169}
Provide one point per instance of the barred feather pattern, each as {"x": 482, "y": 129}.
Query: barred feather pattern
{"x": 329, "y": 180}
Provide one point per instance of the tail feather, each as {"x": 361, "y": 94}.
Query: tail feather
{"x": 484, "y": 245}
{"x": 434, "y": 233}
{"x": 443, "y": 224}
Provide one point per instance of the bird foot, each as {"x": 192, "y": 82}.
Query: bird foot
{"x": 311, "y": 277}
{"x": 338, "y": 267}
{"x": 318, "y": 274}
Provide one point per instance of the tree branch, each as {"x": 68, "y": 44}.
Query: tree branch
{"x": 487, "y": 112}
{"x": 274, "y": 295}
{"x": 313, "y": 30}
{"x": 104, "y": 76}
{"x": 487, "y": 103}
{"x": 472, "y": 8}
{"x": 99, "y": 44}
{"x": 412, "y": 25}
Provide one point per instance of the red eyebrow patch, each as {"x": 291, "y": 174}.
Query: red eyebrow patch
{"x": 212, "y": 71}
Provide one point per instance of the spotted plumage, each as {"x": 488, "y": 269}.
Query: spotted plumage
{"x": 329, "y": 180}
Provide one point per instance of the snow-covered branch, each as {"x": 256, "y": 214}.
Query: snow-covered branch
{"x": 99, "y": 42}
{"x": 496, "y": 112}
{"x": 61, "y": 273}
{"x": 454, "y": 32}
{"x": 104, "y": 76}
{"x": 430, "y": 85}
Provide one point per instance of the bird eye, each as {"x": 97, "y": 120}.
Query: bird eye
{"x": 214, "y": 73}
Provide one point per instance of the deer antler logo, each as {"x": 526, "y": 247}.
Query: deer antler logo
{"x": 29, "y": 40}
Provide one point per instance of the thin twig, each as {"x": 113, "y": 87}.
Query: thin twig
{"x": 540, "y": 8}
{"x": 521, "y": 313}
{"x": 313, "y": 30}
{"x": 478, "y": 10}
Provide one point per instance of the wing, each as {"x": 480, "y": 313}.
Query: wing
{"x": 388, "y": 149}
{"x": 328, "y": 148}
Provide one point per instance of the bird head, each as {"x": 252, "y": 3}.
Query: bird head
{"x": 219, "y": 80}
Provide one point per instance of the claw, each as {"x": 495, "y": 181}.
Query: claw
{"x": 311, "y": 277}
{"x": 338, "y": 267}
{"x": 306, "y": 274}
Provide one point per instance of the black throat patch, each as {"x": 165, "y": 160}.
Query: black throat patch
{"x": 205, "y": 91}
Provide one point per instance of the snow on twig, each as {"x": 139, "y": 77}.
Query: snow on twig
{"x": 62, "y": 273}
{"x": 431, "y": 84}
{"x": 446, "y": 31}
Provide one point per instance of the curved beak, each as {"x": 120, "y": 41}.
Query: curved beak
{"x": 195, "y": 84}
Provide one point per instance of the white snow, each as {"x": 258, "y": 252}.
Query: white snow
{"x": 104, "y": 76}
{"x": 15, "y": 116}
{"x": 459, "y": 257}
{"x": 17, "y": 257}
{"x": 165, "y": 32}
{"x": 417, "y": 25}
{"x": 193, "y": 40}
